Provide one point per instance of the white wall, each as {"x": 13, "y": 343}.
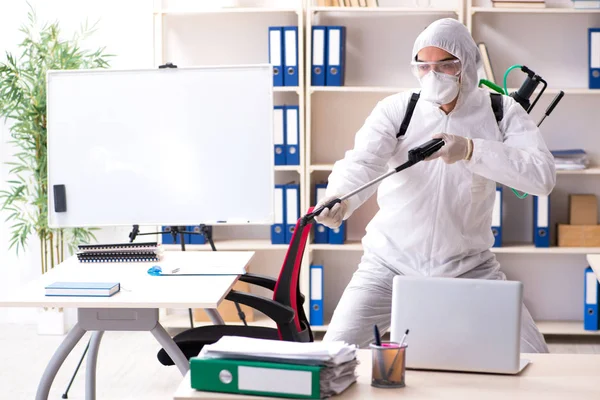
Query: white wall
{"x": 126, "y": 29}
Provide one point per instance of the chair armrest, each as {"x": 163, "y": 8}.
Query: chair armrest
{"x": 260, "y": 280}
{"x": 277, "y": 312}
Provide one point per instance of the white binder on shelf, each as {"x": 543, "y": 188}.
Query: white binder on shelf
{"x": 292, "y": 131}
{"x": 292, "y": 209}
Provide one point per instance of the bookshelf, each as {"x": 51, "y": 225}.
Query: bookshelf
{"x": 190, "y": 33}
{"x": 378, "y": 46}
{"x": 187, "y": 35}
{"x": 348, "y": 105}
{"x": 553, "y": 277}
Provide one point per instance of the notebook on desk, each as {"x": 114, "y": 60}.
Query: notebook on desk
{"x": 119, "y": 252}
{"x": 84, "y": 289}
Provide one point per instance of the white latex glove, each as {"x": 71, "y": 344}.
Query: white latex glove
{"x": 332, "y": 218}
{"x": 456, "y": 148}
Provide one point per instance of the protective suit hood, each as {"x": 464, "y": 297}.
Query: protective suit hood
{"x": 452, "y": 36}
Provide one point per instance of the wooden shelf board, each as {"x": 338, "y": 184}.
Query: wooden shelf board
{"x": 508, "y": 249}
{"x": 360, "y": 89}
{"x": 564, "y": 328}
{"x": 568, "y": 91}
{"x": 385, "y": 10}
{"x": 567, "y": 328}
{"x": 321, "y": 167}
{"x": 286, "y": 89}
{"x": 396, "y": 89}
{"x": 319, "y": 328}
{"x": 546, "y": 10}
{"x": 348, "y": 246}
{"x": 531, "y": 249}
{"x": 295, "y": 168}
{"x": 587, "y": 171}
{"x": 227, "y": 10}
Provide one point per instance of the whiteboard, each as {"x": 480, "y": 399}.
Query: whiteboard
{"x": 173, "y": 146}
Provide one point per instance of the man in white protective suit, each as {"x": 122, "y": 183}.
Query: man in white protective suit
{"x": 434, "y": 218}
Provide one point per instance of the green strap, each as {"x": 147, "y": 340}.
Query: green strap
{"x": 504, "y": 91}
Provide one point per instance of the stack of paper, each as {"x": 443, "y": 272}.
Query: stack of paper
{"x": 289, "y": 369}
{"x": 570, "y": 159}
{"x": 119, "y": 252}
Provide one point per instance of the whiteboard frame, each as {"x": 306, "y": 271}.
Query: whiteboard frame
{"x": 52, "y": 223}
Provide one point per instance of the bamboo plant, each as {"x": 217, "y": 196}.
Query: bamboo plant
{"x": 23, "y": 106}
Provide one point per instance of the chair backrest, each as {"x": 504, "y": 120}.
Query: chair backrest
{"x": 287, "y": 289}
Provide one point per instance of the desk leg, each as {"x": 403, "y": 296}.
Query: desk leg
{"x": 90, "y": 373}
{"x": 74, "y": 335}
{"x": 171, "y": 348}
{"x": 214, "y": 316}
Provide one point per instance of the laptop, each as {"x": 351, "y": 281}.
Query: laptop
{"x": 457, "y": 324}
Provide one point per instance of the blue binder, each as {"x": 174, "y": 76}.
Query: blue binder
{"x": 278, "y": 227}
{"x": 594, "y": 57}
{"x": 319, "y": 56}
{"x": 292, "y": 133}
{"x": 497, "y": 218}
{"x": 167, "y": 238}
{"x": 279, "y": 134}
{"x": 591, "y": 322}
{"x": 290, "y": 62}
{"x": 336, "y": 60}
{"x": 541, "y": 221}
{"x": 276, "y": 51}
{"x": 292, "y": 209}
{"x": 316, "y": 295}
{"x": 195, "y": 238}
{"x": 338, "y": 235}
{"x": 321, "y": 231}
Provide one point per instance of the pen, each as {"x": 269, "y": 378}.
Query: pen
{"x": 397, "y": 353}
{"x": 404, "y": 338}
{"x": 379, "y": 355}
{"x": 377, "y": 336}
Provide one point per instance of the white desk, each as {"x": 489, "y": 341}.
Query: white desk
{"x": 548, "y": 377}
{"x": 134, "y": 308}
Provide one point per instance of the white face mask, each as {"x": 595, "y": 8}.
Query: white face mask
{"x": 439, "y": 88}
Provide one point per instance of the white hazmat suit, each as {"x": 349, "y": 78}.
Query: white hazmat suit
{"x": 434, "y": 218}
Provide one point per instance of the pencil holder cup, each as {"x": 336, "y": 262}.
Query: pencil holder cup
{"x": 389, "y": 365}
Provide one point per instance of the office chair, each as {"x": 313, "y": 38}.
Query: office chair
{"x": 286, "y": 307}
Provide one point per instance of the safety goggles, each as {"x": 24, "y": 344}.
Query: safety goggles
{"x": 448, "y": 67}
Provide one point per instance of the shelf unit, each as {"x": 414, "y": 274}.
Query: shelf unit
{"x": 563, "y": 64}
{"x": 367, "y": 87}
{"x": 352, "y": 102}
{"x": 190, "y": 33}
